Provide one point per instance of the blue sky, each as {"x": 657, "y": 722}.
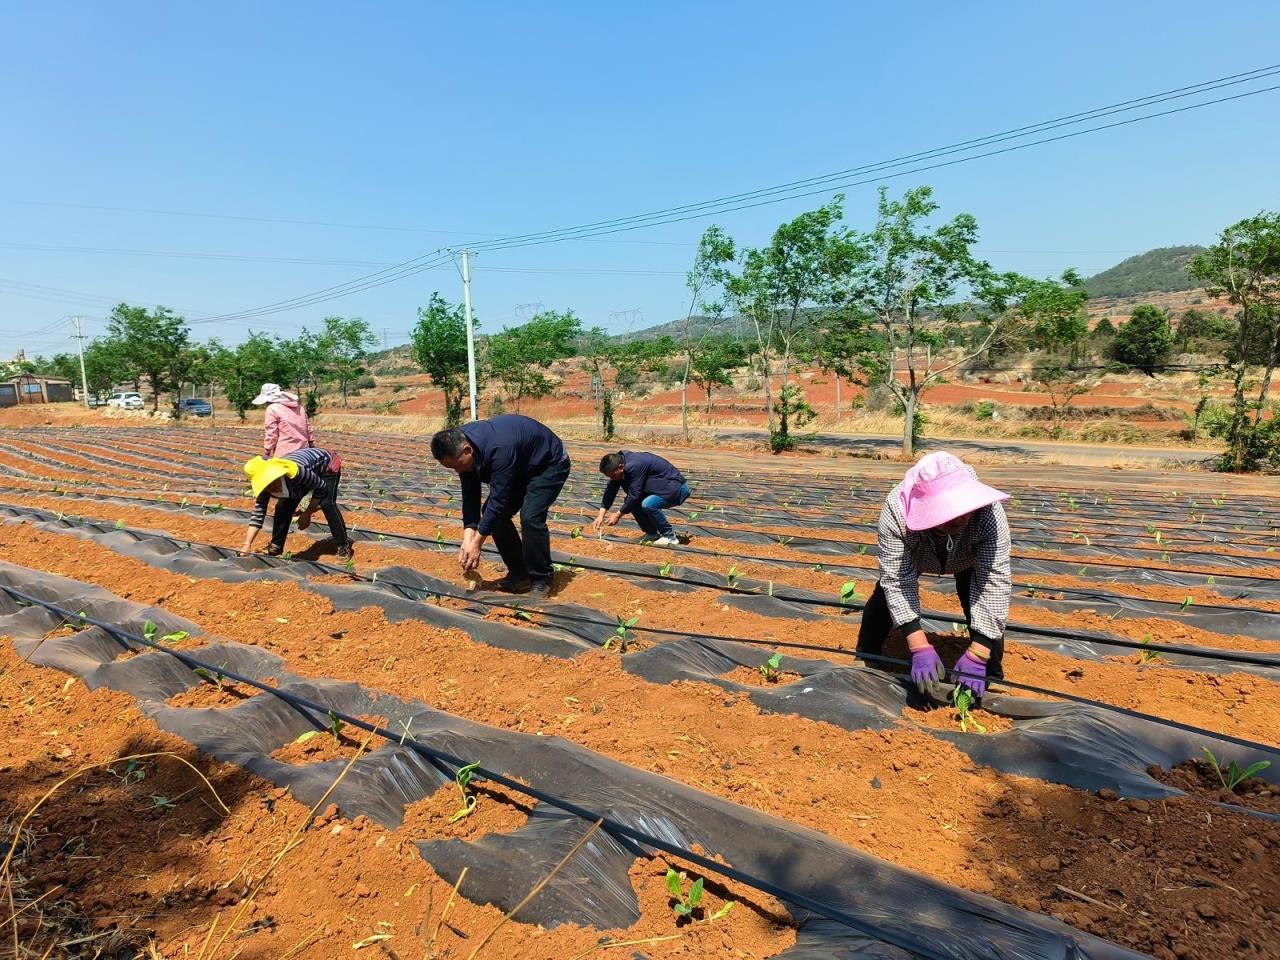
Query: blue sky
{"x": 415, "y": 126}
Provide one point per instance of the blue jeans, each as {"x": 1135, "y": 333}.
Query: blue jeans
{"x": 649, "y": 514}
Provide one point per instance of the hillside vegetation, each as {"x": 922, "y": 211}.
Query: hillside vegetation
{"x": 1163, "y": 269}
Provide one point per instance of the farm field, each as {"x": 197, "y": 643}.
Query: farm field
{"x": 624, "y": 727}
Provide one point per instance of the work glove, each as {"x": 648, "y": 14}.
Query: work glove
{"x": 972, "y": 673}
{"x": 926, "y": 667}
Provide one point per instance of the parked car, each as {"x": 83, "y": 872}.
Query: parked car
{"x": 93, "y": 401}
{"x": 125, "y": 401}
{"x": 195, "y": 407}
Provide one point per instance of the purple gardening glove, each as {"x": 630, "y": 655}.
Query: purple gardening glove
{"x": 977, "y": 673}
{"x": 926, "y": 666}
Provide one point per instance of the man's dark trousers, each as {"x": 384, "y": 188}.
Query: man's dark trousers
{"x": 527, "y": 552}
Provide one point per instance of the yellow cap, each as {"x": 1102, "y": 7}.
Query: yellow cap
{"x": 263, "y": 473}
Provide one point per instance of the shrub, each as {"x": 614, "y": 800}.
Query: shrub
{"x": 985, "y": 410}
{"x": 365, "y": 383}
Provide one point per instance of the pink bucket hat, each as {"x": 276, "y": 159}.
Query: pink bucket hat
{"x": 940, "y": 488}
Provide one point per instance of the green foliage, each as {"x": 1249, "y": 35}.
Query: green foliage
{"x": 769, "y": 669}
{"x": 793, "y": 410}
{"x": 1054, "y": 312}
{"x": 154, "y": 345}
{"x": 685, "y": 903}
{"x": 622, "y": 634}
{"x": 1232, "y": 776}
{"x": 463, "y": 779}
{"x": 242, "y": 370}
{"x": 1104, "y": 329}
{"x": 1163, "y": 269}
{"x": 607, "y": 415}
{"x": 984, "y": 410}
{"x": 711, "y": 360}
{"x": 1204, "y": 330}
{"x": 440, "y": 348}
{"x": 518, "y": 356}
{"x": 1145, "y": 342}
{"x": 962, "y": 698}
{"x": 344, "y": 345}
{"x": 849, "y": 591}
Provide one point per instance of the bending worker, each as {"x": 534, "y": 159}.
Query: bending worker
{"x": 525, "y": 466}
{"x": 652, "y": 484}
{"x": 287, "y": 480}
{"x": 285, "y": 424}
{"x": 941, "y": 519}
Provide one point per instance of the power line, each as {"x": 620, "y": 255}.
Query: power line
{"x": 788, "y": 191}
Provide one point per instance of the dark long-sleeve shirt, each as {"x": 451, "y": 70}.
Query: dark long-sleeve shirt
{"x": 313, "y": 463}
{"x": 509, "y": 450}
{"x": 644, "y": 474}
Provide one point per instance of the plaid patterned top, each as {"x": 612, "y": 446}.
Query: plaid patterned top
{"x": 982, "y": 547}
{"x": 313, "y": 465}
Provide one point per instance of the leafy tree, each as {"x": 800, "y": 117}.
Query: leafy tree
{"x": 1201, "y": 326}
{"x": 518, "y": 356}
{"x": 344, "y": 346}
{"x": 153, "y": 342}
{"x": 908, "y": 276}
{"x": 594, "y": 350}
{"x": 440, "y": 347}
{"x": 847, "y": 347}
{"x": 1055, "y": 312}
{"x": 714, "y": 248}
{"x": 712, "y": 358}
{"x": 1062, "y": 385}
{"x": 242, "y": 370}
{"x": 304, "y": 362}
{"x": 1244, "y": 265}
{"x": 1104, "y": 329}
{"x": 1145, "y": 341}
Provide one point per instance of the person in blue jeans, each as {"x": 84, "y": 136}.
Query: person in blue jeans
{"x": 652, "y": 485}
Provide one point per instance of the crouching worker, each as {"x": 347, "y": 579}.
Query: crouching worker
{"x": 525, "y": 466}
{"x": 941, "y": 519}
{"x": 652, "y": 484}
{"x": 287, "y": 480}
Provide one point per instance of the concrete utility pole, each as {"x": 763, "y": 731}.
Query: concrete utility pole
{"x": 84, "y": 379}
{"x": 471, "y": 338}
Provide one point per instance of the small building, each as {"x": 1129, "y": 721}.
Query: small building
{"x": 29, "y": 388}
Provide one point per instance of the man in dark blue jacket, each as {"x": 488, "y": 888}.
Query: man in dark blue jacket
{"x": 525, "y": 466}
{"x": 652, "y": 484}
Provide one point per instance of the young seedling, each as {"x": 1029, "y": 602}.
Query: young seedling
{"x": 576, "y": 533}
{"x": 133, "y": 772}
{"x": 685, "y": 903}
{"x": 162, "y": 803}
{"x": 335, "y": 725}
{"x": 731, "y": 578}
{"x": 119, "y": 524}
{"x": 214, "y": 677}
{"x": 962, "y": 697}
{"x": 849, "y": 592}
{"x": 769, "y": 669}
{"x": 622, "y": 634}
{"x": 1148, "y": 655}
{"x": 1232, "y": 776}
{"x": 1182, "y": 608}
{"x": 665, "y": 569}
{"x": 463, "y": 779}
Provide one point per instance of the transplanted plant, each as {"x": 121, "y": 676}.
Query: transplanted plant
{"x": 686, "y": 903}
{"x": 463, "y": 779}
{"x": 962, "y": 697}
{"x": 732, "y": 577}
{"x": 769, "y": 669}
{"x": 1231, "y": 776}
{"x": 622, "y": 633}
{"x": 849, "y": 591}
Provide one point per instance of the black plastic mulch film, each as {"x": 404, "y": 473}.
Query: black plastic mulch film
{"x": 859, "y": 898}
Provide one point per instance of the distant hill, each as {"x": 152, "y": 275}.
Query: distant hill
{"x": 1163, "y": 269}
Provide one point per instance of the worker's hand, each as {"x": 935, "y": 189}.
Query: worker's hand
{"x": 246, "y": 548}
{"x": 971, "y": 672}
{"x": 598, "y": 521}
{"x": 304, "y": 519}
{"x": 926, "y": 666}
{"x": 613, "y": 518}
{"x": 469, "y": 552}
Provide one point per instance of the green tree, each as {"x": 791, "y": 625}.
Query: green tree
{"x": 1145, "y": 342}
{"x": 242, "y": 370}
{"x": 1062, "y": 385}
{"x": 909, "y": 277}
{"x": 714, "y": 248}
{"x": 519, "y": 356}
{"x": 153, "y": 341}
{"x": 440, "y": 347}
{"x": 1104, "y": 329}
{"x": 1244, "y": 266}
{"x": 305, "y": 365}
{"x": 847, "y": 347}
{"x": 1203, "y": 328}
{"x": 344, "y": 348}
{"x": 713, "y": 357}
{"x": 1054, "y": 311}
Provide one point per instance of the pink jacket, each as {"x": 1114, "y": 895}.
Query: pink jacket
{"x": 287, "y": 429}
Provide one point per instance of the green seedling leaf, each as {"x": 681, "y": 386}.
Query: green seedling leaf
{"x": 335, "y": 725}
{"x": 665, "y": 569}
{"x": 149, "y": 630}
{"x": 576, "y": 533}
{"x": 382, "y": 536}
{"x": 848, "y": 591}
{"x": 162, "y": 803}
{"x": 119, "y": 524}
{"x": 769, "y": 669}
{"x": 695, "y": 893}
{"x": 176, "y": 637}
{"x": 309, "y": 735}
{"x": 722, "y": 912}
{"x": 673, "y": 884}
{"x": 463, "y": 779}
{"x": 1185, "y": 603}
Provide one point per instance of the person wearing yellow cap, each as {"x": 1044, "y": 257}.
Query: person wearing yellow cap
{"x": 287, "y": 480}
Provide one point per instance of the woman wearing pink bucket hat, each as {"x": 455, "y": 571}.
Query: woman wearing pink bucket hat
{"x": 941, "y": 519}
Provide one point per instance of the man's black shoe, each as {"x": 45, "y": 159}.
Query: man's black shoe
{"x": 541, "y": 589}
{"x": 512, "y": 584}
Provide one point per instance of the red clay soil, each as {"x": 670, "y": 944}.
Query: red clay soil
{"x": 206, "y": 694}
{"x": 1199, "y": 778}
{"x": 145, "y": 866}
{"x": 899, "y": 794}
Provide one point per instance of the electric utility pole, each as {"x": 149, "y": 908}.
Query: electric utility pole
{"x": 471, "y": 338}
{"x": 84, "y": 379}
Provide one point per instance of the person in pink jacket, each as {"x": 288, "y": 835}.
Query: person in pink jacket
{"x": 287, "y": 429}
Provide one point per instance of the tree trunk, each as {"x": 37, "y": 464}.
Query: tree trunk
{"x": 908, "y": 424}
{"x": 837, "y": 397}
{"x": 708, "y": 398}
{"x": 1273, "y": 356}
{"x": 768, "y": 388}
{"x": 684, "y": 401}
{"x": 1235, "y": 443}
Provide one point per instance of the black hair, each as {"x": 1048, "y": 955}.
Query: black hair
{"x": 448, "y": 443}
{"x": 610, "y": 462}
